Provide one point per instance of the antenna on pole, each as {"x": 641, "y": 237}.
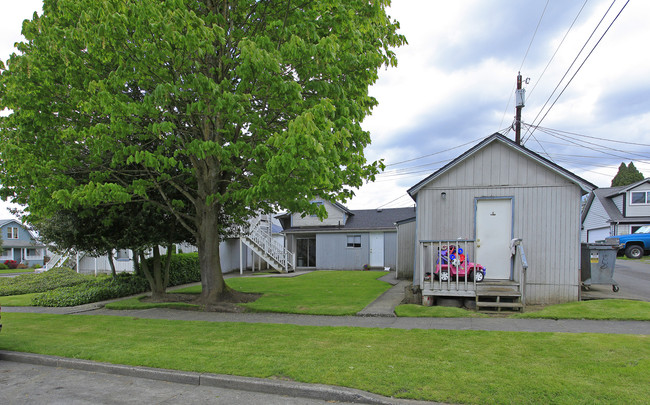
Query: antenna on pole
{"x": 520, "y": 96}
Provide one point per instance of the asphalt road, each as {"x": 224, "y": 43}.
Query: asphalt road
{"x": 22, "y": 383}
{"x": 633, "y": 278}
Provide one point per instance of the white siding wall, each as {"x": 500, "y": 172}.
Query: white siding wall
{"x": 334, "y": 217}
{"x": 636, "y": 210}
{"x": 546, "y": 215}
{"x": 619, "y": 201}
{"x": 596, "y": 219}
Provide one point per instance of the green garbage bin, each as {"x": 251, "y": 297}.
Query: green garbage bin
{"x": 597, "y": 261}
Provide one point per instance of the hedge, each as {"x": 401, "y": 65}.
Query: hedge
{"x": 100, "y": 289}
{"x": 183, "y": 269}
{"x": 34, "y": 283}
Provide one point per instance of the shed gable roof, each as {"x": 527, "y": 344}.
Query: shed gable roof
{"x": 497, "y": 137}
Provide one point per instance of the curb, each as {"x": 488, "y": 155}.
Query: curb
{"x": 251, "y": 384}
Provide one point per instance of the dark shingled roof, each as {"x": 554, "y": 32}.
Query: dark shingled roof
{"x": 366, "y": 220}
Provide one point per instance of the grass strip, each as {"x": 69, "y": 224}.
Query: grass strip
{"x": 474, "y": 367}
{"x": 614, "y": 309}
{"x": 22, "y": 300}
{"x": 14, "y": 271}
{"x": 419, "y": 311}
{"x": 316, "y": 293}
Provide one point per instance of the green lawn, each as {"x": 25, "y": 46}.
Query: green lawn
{"x": 596, "y": 309}
{"x": 475, "y": 367}
{"x": 316, "y": 293}
{"x": 13, "y": 271}
{"x": 419, "y": 311}
{"x": 22, "y": 300}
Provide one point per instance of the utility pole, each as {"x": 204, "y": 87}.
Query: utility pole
{"x": 520, "y": 93}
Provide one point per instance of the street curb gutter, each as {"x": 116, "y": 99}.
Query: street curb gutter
{"x": 277, "y": 387}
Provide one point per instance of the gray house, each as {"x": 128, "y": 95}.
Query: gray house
{"x": 20, "y": 244}
{"x": 346, "y": 239}
{"x": 615, "y": 211}
{"x": 510, "y": 210}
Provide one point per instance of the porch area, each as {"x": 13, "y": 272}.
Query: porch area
{"x": 448, "y": 272}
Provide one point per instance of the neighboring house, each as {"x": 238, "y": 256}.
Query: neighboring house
{"x": 20, "y": 244}
{"x": 254, "y": 252}
{"x": 494, "y": 193}
{"x": 616, "y": 211}
{"x": 346, "y": 239}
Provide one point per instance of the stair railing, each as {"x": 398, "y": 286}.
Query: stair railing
{"x": 517, "y": 245}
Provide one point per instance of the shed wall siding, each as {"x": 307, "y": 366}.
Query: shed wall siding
{"x": 546, "y": 215}
{"x": 406, "y": 250}
{"x": 390, "y": 249}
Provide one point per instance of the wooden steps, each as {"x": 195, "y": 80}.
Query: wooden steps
{"x": 497, "y": 296}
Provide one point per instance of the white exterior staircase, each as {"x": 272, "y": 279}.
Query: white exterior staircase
{"x": 258, "y": 237}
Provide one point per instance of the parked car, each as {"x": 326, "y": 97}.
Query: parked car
{"x": 452, "y": 263}
{"x": 634, "y": 245}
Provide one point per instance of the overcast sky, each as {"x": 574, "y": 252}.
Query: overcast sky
{"x": 454, "y": 85}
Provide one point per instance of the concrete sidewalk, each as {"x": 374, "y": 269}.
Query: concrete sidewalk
{"x": 378, "y": 314}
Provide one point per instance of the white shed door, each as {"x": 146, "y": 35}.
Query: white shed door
{"x": 493, "y": 236}
{"x": 377, "y": 249}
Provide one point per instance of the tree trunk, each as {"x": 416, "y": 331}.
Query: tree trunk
{"x": 213, "y": 287}
{"x": 154, "y": 276}
{"x": 109, "y": 254}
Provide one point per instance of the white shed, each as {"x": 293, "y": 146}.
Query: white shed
{"x": 483, "y": 201}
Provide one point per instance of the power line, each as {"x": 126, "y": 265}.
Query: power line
{"x": 524, "y": 60}
{"x": 557, "y": 49}
{"x": 534, "y": 34}
{"x": 570, "y": 66}
{"x": 435, "y": 153}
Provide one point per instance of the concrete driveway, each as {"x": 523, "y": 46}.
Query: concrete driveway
{"x": 633, "y": 278}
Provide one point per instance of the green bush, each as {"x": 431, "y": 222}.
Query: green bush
{"x": 184, "y": 269}
{"x": 49, "y": 280}
{"x": 3, "y": 266}
{"x": 92, "y": 291}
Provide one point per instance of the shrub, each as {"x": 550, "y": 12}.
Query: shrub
{"x": 21, "y": 266}
{"x": 49, "y": 280}
{"x": 12, "y": 264}
{"x": 93, "y": 291}
{"x": 36, "y": 266}
{"x": 3, "y": 266}
{"x": 184, "y": 269}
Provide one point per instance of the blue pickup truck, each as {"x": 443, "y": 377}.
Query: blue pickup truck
{"x": 635, "y": 244}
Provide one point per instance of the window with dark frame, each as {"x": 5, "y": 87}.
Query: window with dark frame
{"x": 354, "y": 241}
{"x": 640, "y": 197}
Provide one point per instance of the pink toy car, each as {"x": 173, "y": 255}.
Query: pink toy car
{"x": 454, "y": 264}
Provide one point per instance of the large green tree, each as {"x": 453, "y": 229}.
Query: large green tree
{"x": 239, "y": 106}
{"x": 627, "y": 175}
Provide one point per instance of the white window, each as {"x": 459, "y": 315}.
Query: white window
{"x": 7, "y": 253}
{"x": 33, "y": 252}
{"x": 12, "y": 233}
{"x": 354, "y": 241}
{"x": 640, "y": 197}
{"x": 122, "y": 254}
